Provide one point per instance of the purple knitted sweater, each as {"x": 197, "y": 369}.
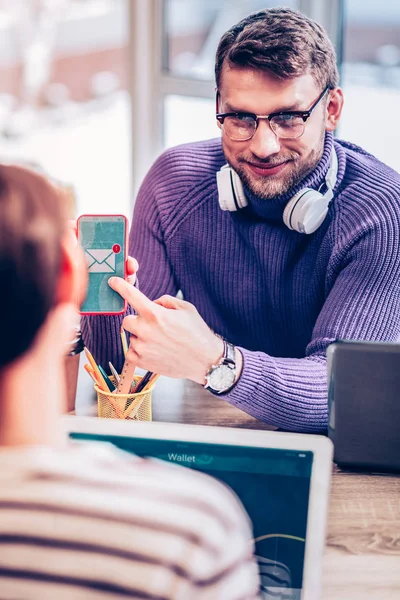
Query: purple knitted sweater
{"x": 279, "y": 295}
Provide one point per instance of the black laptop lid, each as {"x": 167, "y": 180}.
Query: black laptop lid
{"x": 364, "y": 404}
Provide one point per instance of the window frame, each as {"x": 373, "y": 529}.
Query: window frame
{"x": 150, "y": 84}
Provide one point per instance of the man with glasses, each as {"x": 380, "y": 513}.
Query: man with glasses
{"x": 280, "y": 238}
{"x": 290, "y": 125}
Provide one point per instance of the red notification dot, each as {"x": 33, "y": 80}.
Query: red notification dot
{"x": 116, "y": 248}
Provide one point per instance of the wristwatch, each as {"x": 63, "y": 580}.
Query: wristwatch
{"x": 221, "y": 377}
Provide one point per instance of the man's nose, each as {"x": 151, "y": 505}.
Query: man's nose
{"x": 264, "y": 142}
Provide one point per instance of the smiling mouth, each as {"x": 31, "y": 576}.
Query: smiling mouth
{"x": 266, "y": 169}
{"x": 267, "y": 165}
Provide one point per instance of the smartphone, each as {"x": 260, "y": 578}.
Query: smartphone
{"x": 104, "y": 242}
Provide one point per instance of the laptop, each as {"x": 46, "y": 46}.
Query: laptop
{"x": 364, "y": 406}
{"x": 282, "y": 480}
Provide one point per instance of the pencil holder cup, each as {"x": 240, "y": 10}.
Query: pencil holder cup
{"x": 132, "y": 407}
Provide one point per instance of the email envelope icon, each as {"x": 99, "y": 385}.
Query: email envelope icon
{"x": 100, "y": 261}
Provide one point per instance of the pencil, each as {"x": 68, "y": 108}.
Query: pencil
{"x": 90, "y": 372}
{"x": 101, "y": 383}
{"x": 114, "y": 372}
{"x": 142, "y": 383}
{"x": 106, "y": 378}
{"x": 124, "y": 341}
{"x": 151, "y": 381}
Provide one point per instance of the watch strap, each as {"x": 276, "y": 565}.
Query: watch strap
{"x": 229, "y": 359}
{"x": 229, "y": 356}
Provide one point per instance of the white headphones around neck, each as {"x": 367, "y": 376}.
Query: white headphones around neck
{"x": 303, "y": 213}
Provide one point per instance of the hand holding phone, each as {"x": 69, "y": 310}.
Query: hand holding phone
{"x": 104, "y": 242}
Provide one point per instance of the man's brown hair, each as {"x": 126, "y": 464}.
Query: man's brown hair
{"x": 281, "y": 41}
{"x": 32, "y": 223}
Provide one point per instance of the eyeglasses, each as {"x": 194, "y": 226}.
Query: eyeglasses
{"x": 288, "y": 125}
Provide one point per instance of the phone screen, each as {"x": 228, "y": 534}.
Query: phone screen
{"x": 103, "y": 239}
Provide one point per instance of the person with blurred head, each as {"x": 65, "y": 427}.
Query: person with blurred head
{"x": 87, "y": 522}
{"x": 280, "y": 237}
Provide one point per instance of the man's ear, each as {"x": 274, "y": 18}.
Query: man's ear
{"x": 72, "y": 281}
{"x": 217, "y": 109}
{"x": 334, "y": 109}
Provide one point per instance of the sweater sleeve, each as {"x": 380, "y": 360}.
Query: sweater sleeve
{"x": 101, "y": 334}
{"x": 363, "y": 303}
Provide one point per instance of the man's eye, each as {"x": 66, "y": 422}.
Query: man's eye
{"x": 285, "y": 117}
{"x": 287, "y": 120}
{"x": 242, "y": 119}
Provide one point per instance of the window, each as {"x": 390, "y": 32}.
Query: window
{"x": 64, "y": 103}
{"x": 173, "y": 48}
{"x": 371, "y": 77}
{"x": 185, "y": 34}
{"x": 191, "y": 32}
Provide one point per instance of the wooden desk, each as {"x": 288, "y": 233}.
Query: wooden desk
{"x": 362, "y": 555}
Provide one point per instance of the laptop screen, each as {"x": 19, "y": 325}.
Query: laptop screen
{"x": 273, "y": 485}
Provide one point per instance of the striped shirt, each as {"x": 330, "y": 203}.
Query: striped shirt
{"x": 89, "y": 522}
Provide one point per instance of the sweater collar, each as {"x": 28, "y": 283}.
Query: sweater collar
{"x": 273, "y": 209}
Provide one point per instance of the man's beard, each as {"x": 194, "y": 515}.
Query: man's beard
{"x": 270, "y": 187}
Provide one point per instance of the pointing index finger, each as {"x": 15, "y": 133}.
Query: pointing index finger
{"x": 132, "y": 295}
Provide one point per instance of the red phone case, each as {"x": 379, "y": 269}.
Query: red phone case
{"x": 121, "y": 312}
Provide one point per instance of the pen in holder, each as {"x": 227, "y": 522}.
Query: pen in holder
{"x": 132, "y": 407}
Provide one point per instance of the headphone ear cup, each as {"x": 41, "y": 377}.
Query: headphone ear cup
{"x": 308, "y": 208}
{"x": 231, "y": 194}
{"x": 305, "y": 211}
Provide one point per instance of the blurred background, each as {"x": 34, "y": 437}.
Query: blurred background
{"x": 93, "y": 90}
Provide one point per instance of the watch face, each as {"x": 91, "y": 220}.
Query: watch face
{"x": 222, "y": 378}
